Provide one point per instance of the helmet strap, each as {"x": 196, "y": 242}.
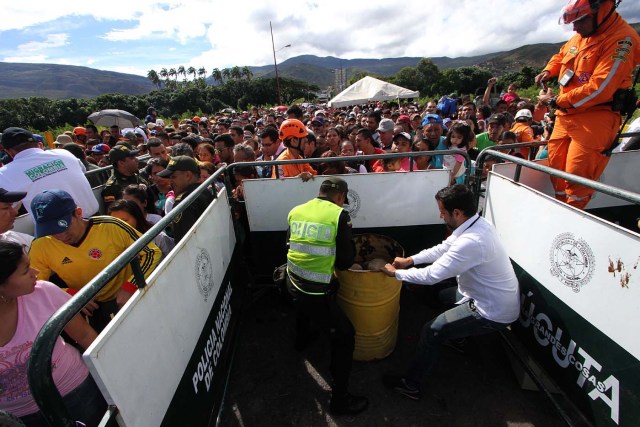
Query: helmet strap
{"x": 595, "y": 16}
{"x": 288, "y": 143}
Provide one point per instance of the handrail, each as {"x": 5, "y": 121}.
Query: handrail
{"x": 619, "y": 193}
{"x": 410, "y": 154}
{"x": 110, "y": 167}
{"x": 43, "y": 389}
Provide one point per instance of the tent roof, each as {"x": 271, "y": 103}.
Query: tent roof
{"x": 370, "y": 89}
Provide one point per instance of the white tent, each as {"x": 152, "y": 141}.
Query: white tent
{"x": 370, "y": 89}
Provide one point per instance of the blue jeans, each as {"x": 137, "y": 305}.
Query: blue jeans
{"x": 85, "y": 404}
{"x": 458, "y": 322}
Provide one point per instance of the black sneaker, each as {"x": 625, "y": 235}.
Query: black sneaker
{"x": 348, "y": 404}
{"x": 399, "y": 385}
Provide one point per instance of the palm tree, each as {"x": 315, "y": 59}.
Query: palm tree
{"x": 192, "y": 71}
{"x": 217, "y": 75}
{"x": 181, "y": 72}
{"x": 236, "y": 74}
{"x": 154, "y": 78}
{"x": 173, "y": 73}
{"x": 226, "y": 73}
{"x": 202, "y": 72}
{"x": 246, "y": 72}
{"x": 164, "y": 74}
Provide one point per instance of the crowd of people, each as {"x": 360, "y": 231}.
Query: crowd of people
{"x": 76, "y": 235}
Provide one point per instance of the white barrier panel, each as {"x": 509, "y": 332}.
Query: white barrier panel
{"x": 570, "y": 252}
{"x": 622, "y": 171}
{"x": 375, "y": 200}
{"x": 140, "y": 358}
{"x": 580, "y": 291}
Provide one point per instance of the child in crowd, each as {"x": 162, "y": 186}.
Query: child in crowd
{"x": 392, "y": 165}
{"x": 509, "y": 137}
{"x": 458, "y": 138}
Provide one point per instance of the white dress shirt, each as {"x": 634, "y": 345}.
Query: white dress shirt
{"x": 477, "y": 258}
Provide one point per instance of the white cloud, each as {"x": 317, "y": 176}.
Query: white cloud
{"x": 221, "y": 34}
{"x": 38, "y": 51}
{"x": 51, "y": 41}
{"x": 179, "y": 21}
{"x": 34, "y": 59}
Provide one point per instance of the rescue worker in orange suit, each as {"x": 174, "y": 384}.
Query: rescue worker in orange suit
{"x": 591, "y": 67}
{"x": 294, "y": 135}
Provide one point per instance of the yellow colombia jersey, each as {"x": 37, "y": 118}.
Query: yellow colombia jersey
{"x": 105, "y": 239}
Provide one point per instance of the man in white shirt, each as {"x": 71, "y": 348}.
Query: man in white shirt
{"x": 34, "y": 170}
{"x": 487, "y": 297}
{"x": 8, "y": 212}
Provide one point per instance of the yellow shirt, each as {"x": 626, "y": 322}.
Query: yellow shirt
{"x": 105, "y": 239}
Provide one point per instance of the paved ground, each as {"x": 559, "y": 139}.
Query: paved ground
{"x": 273, "y": 385}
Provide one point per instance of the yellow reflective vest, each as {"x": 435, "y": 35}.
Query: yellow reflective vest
{"x": 313, "y": 228}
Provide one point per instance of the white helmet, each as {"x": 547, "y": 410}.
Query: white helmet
{"x": 524, "y": 113}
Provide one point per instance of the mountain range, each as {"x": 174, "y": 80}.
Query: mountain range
{"x": 21, "y": 80}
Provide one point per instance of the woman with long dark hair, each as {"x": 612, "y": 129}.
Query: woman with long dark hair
{"x": 25, "y": 305}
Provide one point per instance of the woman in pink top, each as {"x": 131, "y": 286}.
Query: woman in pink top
{"x": 25, "y": 305}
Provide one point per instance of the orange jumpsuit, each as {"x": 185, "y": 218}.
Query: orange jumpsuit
{"x": 603, "y": 63}
{"x": 524, "y": 133}
{"x": 286, "y": 171}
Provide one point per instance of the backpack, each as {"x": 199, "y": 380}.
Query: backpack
{"x": 448, "y": 106}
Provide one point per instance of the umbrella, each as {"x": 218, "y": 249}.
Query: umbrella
{"x": 120, "y": 118}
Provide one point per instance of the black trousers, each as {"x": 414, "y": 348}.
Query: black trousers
{"x": 326, "y": 314}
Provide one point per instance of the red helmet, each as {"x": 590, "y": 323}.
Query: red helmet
{"x": 292, "y": 128}
{"x": 578, "y": 9}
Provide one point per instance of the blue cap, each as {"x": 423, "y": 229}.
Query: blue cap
{"x": 52, "y": 210}
{"x": 431, "y": 118}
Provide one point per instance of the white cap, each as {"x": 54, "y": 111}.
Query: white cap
{"x": 524, "y": 113}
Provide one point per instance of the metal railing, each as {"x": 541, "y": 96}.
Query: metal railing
{"x": 40, "y": 376}
{"x": 619, "y": 193}
{"x": 105, "y": 172}
{"x": 359, "y": 159}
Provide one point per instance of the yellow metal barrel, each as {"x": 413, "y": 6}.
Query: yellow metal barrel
{"x": 371, "y": 299}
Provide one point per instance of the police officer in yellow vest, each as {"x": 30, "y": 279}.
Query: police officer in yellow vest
{"x": 319, "y": 242}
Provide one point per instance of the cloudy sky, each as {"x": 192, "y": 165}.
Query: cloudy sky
{"x": 134, "y": 36}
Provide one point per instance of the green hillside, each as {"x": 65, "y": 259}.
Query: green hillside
{"x": 66, "y": 81}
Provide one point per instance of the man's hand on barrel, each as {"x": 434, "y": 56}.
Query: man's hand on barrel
{"x": 389, "y": 270}
{"x": 398, "y": 263}
{"x": 402, "y": 263}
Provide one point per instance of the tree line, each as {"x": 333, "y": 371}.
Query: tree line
{"x": 169, "y": 77}
{"x": 431, "y": 82}
{"x": 191, "y": 98}
{"x": 186, "y": 91}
